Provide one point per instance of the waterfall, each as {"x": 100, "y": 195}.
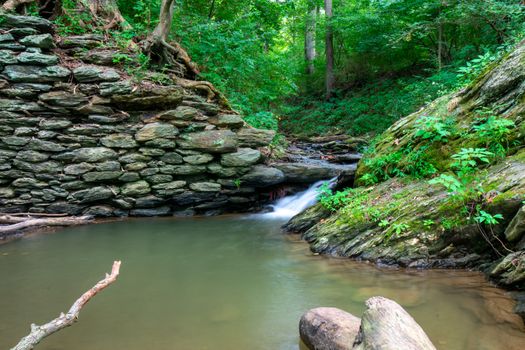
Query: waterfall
{"x": 290, "y": 206}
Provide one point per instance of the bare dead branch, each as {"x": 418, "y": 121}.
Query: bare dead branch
{"x": 65, "y": 320}
{"x": 23, "y": 223}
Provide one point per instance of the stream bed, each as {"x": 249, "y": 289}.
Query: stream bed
{"x": 225, "y": 283}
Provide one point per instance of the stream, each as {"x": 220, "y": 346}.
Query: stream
{"x": 226, "y": 283}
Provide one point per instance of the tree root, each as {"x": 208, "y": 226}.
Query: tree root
{"x": 65, "y": 320}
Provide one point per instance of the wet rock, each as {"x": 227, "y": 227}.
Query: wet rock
{"x": 510, "y": 271}
{"x": 180, "y": 113}
{"x": 92, "y": 194}
{"x": 78, "y": 169}
{"x": 27, "y": 182}
{"x": 205, "y": 187}
{"x": 147, "y": 98}
{"x": 161, "y": 143}
{"x": 37, "y": 58}
{"x": 100, "y": 176}
{"x": 156, "y": 130}
{"x": 198, "y": 159}
{"x": 306, "y": 219}
{"x": 160, "y": 211}
{"x": 215, "y": 141}
{"x": 169, "y": 188}
{"x": 312, "y": 172}
{"x": 32, "y": 156}
{"x": 122, "y": 87}
{"x": 7, "y": 57}
{"x": 233, "y": 121}
{"x": 242, "y": 158}
{"x": 92, "y": 74}
{"x": 220, "y": 171}
{"x": 119, "y": 141}
{"x": 88, "y": 154}
{"x": 172, "y": 158}
{"x": 129, "y": 177}
{"x": 54, "y": 124}
{"x": 149, "y": 202}
{"x": 328, "y": 328}
{"x": 41, "y": 24}
{"x": 99, "y": 56}
{"x": 250, "y": 137}
{"x": 134, "y": 189}
{"x": 516, "y": 229}
{"x": 36, "y": 74}
{"x": 47, "y": 146}
{"x": 26, "y": 90}
{"x": 183, "y": 169}
{"x": 187, "y": 198}
{"x": 263, "y": 176}
{"x": 85, "y": 41}
{"x": 63, "y": 99}
{"x": 43, "y": 41}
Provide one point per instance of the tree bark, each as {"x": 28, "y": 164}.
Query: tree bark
{"x": 65, "y": 320}
{"x": 309, "y": 37}
{"x": 17, "y": 224}
{"x": 330, "y": 79}
{"x": 108, "y": 12}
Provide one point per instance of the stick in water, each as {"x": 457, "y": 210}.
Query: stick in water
{"x": 65, "y": 320}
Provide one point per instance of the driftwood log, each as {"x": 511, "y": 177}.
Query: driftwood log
{"x": 14, "y": 223}
{"x": 65, "y": 320}
{"x": 385, "y": 325}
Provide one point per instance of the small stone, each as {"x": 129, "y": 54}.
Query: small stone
{"x": 119, "y": 141}
{"x": 63, "y": 99}
{"x": 135, "y": 166}
{"x": 116, "y": 88}
{"x": 158, "y": 179}
{"x": 134, "y": 158}
{"x": 180, "y": 113}
{"x": 228, "y": 121}
{"x": 161, "y": 143}
{"x": 78, "y": 169}
{"x": 251, "y": 137}
{"x": 135, "y": 188}
{"x": 214, "y": 141}
{"x": 182, "y": 169}
{"x": 172, "y": 158}
{"x": 160, "y": 211}
{"x": 205, "y": 187}
{"x": 154, "y": 152}
{"x": 92, "y": 194}
{"x": 88, "y": 154}
{"x": 32, "y": 156}
{"x": 36, "y": 74}
{"x": 156, "y": 130}
{"x": 54, "y": 124}
{"x": 242, "y": 158}
{"x": 48, "y": 146}
{"x": 109, "y": 165}
{"x": 27, "y": 182}
{"x": 37, "y": 58}
{"x": 198, "y": 159}
{"x": 129, "y": 177}
{"x": 7, "y": 57}
{"x": 6, "y": 192}
{"x": 43, "y": 41}
{"x": 91, "y": 74}
{"x": 98, "y": 176}
{"x": 15, "y": 140}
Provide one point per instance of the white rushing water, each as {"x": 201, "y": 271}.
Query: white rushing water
{"x": 290, "y": 206}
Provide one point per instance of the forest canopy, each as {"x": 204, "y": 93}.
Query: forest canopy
{"x": 272, "y": 58}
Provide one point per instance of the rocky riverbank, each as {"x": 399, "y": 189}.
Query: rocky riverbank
{"x": 395, "y": 218}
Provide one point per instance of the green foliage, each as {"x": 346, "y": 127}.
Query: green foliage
{"x": 483, "y": 217}
{"x": 263, "y": 120}
{"x": 475, "y": 67}
{"x": 434, "y": 129}
{"x": 450, "y": 182}
{"x": 74, "y": 22}
{"x": 494, "y": 133}
{"x": 334, "y": 201}
{"x": 468, "y": 159}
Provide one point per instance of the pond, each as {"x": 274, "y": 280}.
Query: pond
{"x": 226, "y": 283}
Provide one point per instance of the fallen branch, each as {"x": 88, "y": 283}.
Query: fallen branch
{"x": 65, "y": 320}
{"x": 18, "y": 223}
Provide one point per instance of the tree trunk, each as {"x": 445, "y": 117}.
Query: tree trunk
{"x": 16, "y": 224}
{"x": 309, "y": 38}
{"x": 11, "y": 5}
{"x": 169, "y": 54}
{"x": 330, "y": 79}
{"x": 106, "y": 11}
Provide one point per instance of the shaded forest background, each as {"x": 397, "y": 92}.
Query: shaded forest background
{"x": 269, "y": 57}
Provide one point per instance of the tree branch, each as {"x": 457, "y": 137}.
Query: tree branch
{"x": 22, "y": 223}
{"x": 40, "y": 332}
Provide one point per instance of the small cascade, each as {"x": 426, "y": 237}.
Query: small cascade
{"x": 290, "y": 206}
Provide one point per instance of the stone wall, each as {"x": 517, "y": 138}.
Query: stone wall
{"x": 77, "y": 136}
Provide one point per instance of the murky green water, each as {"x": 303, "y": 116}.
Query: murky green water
{"x": 226, "y": 283}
